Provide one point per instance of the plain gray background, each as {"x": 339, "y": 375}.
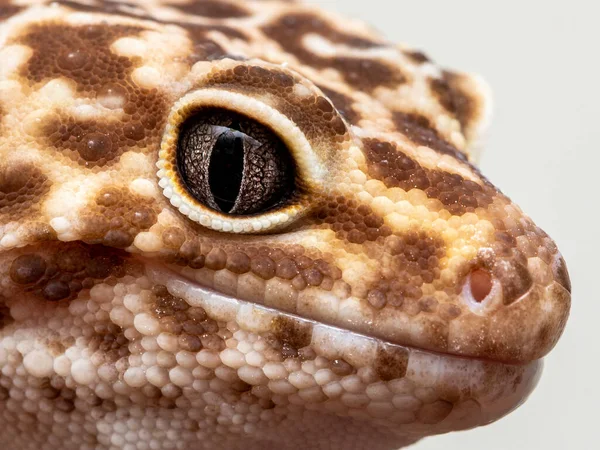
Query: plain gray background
{"x": 542, "y": 61}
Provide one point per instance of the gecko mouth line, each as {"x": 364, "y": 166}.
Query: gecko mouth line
{"x": 471, "y": 374}
{"x": 225, "y": 307}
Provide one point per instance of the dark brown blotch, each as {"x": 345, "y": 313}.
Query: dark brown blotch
{"x": 205, "y": 48}
{"x": 391, "y": 362}
{"x": 117, "y": 216}
{"x": 343, "y": 104}
{"x": 71, "y": 268}
{"x": 361, "y": 73}
{"x": 292, "y": 332}
{"x": 419, "y": 129}
{"x": 417, "y": 56}
{"x": 411, "y": 261}
{"x": 23, "y": 187}
{"x": 120, "y": 8}
{"x": 212, "y": 9}
{"x": 396, "y": 169}
{"x": 8, "y": 10}
{"x": 454, "y": 98}
{"x": 351, "y": 221}
{"x": 166, "y": 304}
{"x": 82, "y": 54}
{"x": 5, "y": 316}
{"x": 27, "y": 269}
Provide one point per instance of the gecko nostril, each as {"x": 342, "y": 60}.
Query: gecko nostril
{"x": 481, "y": 284}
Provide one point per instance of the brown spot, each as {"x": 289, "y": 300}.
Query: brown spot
{"x": 291, "y": 332}
{"x": 417, "y": 56}
{"x": 212, "y": 9}
{"x": 419, "y": 130}
{"x": 264, "y": 267}
{"x": 377, "y": 299}
{"x": 453, "y": 97}
{"x": 238, "y": 263}
{"x": 82, "y": 54}
{"x": 95, "y": 146}
{"x": 117, "y": 216}
{"x": 55, "y": 347}
{"x": 121, "y": 8}
{"x": 118, "y": 239}
{"x": 363, "y": 74}
{"x": 110, "y": 340}
{"x": 351, "y": 222}
{"x": 343, "y": 104}
{"x": 368, "y": 74}
{"x": 72, "y": 268}
{"x": 206, "y": 49}
{"x": 190, "y": 343}
{"x": 8, "y": 10}
{"x": 27, "y": 269}
{"x": 391, "y": 362}
{"x": 286, "y": 269}
{"x": 412, "y": 260}
{"x": 22, "y": 188}
{"x": 4, "y": 392}
{"x": 396, "y": 169}
{"x": 166, "y": 304}
{"x": 5, "y": 316}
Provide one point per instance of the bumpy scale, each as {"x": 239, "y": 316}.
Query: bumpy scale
{"x": 397, "y": 294}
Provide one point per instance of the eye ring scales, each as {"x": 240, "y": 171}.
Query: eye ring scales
{"x": 234, "y": 164}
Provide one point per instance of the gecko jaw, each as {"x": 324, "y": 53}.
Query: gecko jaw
{"x": 483, "y": 378}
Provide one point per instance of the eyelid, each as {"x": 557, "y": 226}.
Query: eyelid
{"x": 311, "y": 171}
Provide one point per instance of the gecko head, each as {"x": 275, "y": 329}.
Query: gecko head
{"x": 231, "y": 232}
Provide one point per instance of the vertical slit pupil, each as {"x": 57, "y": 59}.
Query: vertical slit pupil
{"x": 227, "y": 169}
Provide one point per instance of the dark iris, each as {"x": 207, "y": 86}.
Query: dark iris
{"x": 234, "y": 164}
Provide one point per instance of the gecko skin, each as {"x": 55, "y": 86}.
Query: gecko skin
{"x": 252, "y": 225}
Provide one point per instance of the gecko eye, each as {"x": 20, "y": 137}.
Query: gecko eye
{"x": 233, "y": 164}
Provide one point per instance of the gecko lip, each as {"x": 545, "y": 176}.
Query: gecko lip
{"x": 495, "y": 388}
{"x": 226, "y": 307}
